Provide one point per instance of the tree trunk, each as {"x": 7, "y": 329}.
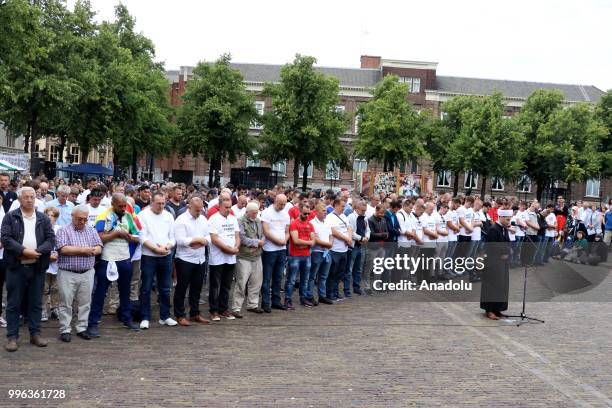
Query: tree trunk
{"x": 83, "y": 152}
{"x": 296, "y": 172}
{"x": 211, "y": 172}
{"x": 539, "y": 189}
{"x": 33, "y": 136}
{"x": 26, "y": 138}
{"x": 455, "y": 183}
{"x": 61, "y": 147}
{"x": 305, "y": 179}
{"x": 568, "y": 193}
{"x": 385, "y": 165}
{"x": 134, "y": 164}
{"x": 151, "y": 167}
{"x": 483, "y": 187}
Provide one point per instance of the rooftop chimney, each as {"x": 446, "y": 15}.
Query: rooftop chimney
{"x": 368, "y": 61}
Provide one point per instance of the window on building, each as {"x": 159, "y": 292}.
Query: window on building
{"x": 444, "y": 178}
{"x": 281, "y": 167}
{"x": 524, "y": 184}
{"x": 359, "y": 165}
{"x": 470, "y": 180}
{"x": 10, "y": 139}
{"x": 259, "y": 107}
{"x": 414, "y": 84}
{"x": 340, "y": 108}
{"x": 497, "y": 184}
{"x": 253, "y": 160}
{"x": 308, "y": 170}
{"x": 332, "y": 172}
{"x": 54, "y": 155}
{"x": 592, "y": 188}
{"x": 74, "y": 154}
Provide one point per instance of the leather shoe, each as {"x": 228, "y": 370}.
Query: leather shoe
{"x": 84, "y": 335}
{"x": 267, "y": 309}
{"x": 12, "y": 345}
{"x": 65, "y": 337}
{"x": 38, "y": 341}
{"x": 182, "y": 321}
{"x": 257, "y": 310}
{"x": 200, "y": 319}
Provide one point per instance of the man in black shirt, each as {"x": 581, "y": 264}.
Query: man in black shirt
{"x": 144, "y": 197}
{"x": 7, "y": 196}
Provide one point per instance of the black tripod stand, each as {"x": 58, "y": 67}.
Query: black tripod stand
{"x": 528, "y": 256}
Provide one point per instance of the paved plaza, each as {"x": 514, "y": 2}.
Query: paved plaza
{"x": 380, "y": 350}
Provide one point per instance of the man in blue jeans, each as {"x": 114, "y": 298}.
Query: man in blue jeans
{"x": 320, "y": 258}
{"x": 343, "y": 237}
{"x": 361, "y": 235}
{"x": 157, "y": 238}
{"x": 119, "y": 233}
{"x": 301, "y": 234}
{"x": 275, "y": 222}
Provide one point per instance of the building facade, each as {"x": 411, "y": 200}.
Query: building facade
{"x": 427, "y": 90}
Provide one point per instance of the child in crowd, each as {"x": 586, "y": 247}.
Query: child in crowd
{"x": 51, "y": 291}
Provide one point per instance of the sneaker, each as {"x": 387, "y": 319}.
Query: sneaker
{"x": 347, "y": 296}
{"x": 65, "y": 337}
{"x": 131, "y": 326}
{"x": 257, "y": 310}
{"x": 289, "y": 305}
{"x": 228, "y": 315}
{"x": 44, "y": 317}
{"x": 357, "y": 291}
{"x": 267, "y": 309}
{"x": 307, "y": 303}
{"x": 12, "y": 345}
{"x": 2, "y": 322}
{"x": 168, "y": 322}
{"x": 237, "y": 315}
{"x": 84, "y": 335}
{"x": 325, "y": 301}
{"x": 215, "y": 317}
{"x": 144, "y": 325}
{"x": 93, "y": 332}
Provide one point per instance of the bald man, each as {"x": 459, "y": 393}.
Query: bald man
{"x": 275, "y": 222}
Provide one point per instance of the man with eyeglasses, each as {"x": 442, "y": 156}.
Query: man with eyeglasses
{"x": 78, "y": 244}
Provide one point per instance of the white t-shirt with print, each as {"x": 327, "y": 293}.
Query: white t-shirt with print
{"x": 225, "y": 229}
{"x": 454, "y": 218}
{"x": 277, "y": 222}
{"x": 523, "y": 217}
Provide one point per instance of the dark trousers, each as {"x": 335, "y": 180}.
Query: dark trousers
{"x": 220, "y": 284}
{"x": 159, "y": 267}
{"x": 2, "y": 277}
{"x": 273, "y": 264}
{"x": 336, "y": 274}
{"x": 192, "y": 276}
{"x": 124, "y": 283}
{"x": 24, "y": 282}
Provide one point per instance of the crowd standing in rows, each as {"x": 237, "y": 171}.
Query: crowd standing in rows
{"x": 65, "y": 244}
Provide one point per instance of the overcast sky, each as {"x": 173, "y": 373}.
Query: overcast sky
{"x": 535, "y": 40}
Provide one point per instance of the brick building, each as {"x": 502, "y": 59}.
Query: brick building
{"x": 427, "y": 90}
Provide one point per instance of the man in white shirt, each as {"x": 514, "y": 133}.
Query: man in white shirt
{"x": 520, "y": 226}
{"x": 430, "y": 237}
{"x": 225, "y": 238}
{"x": 157, "y": 239}
{"x": 466, "y": 216}
{"x": 192, "y": 235}
{"x": 240, "y": 207}
{"x": 442, "y": 241}
{"x": 94, "y": 207}
{"x": 343, "y": 238}
{"x": 453, "y": 227}
{"x": 477, "y": 221}
{"x": 551, "y": 230}
{"x": 275, "y": 222}
{"x": 320, "y": 258}
{"x": 361, "y": 235}
{"x": 91, "y": 183}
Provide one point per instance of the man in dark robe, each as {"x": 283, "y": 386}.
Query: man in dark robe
{"x": 495, "y": 277}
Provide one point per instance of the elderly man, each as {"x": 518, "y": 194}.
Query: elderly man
{"x": 78, "y": 245}
{"x": 495, "y": 277}
{"x": 192, "y": 235}
{"x": 63, "y": 205}
{"x": 120, "y": 235}
{"x": 28, "y": 239}
{"x": 157, "y": 239}
{"x": 275, "y": 222}
{"x": 249, "y": 270}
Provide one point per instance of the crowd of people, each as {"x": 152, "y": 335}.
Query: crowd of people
{"x": 64, "y": 244}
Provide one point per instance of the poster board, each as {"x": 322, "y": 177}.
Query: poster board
{"x": 386, "y": 183}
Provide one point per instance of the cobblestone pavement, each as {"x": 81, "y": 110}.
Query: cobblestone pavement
{"x": 370, "y": 351}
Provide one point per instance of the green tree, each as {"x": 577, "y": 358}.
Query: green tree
{"x": 389, "y": 127}
{"x": 488, "y": 144}
{"x": 303, "y": 124}
{"x": 536, "y": 112}
{"x": 215, "y": 116}
{"x": 604, "y": 113}
{"x": 575, "y": 148}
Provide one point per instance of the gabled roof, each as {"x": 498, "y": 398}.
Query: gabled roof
{"x": 514, "y": 89}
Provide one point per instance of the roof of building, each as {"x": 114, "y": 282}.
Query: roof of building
{"x": 366, "y": 78}
{"x": 514, "y": 89}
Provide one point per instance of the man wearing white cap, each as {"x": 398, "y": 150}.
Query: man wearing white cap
{"x": 495, "y": 276}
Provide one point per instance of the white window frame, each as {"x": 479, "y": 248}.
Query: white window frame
{"x": 54, "y": 153}
{"x": 331, "y": 173}
{"x": 526, "y": 184}
{"x": 593, "y": 187}
{"x": 260, "y": 108}
{"x": 359, "y": 165}
{"x": 414, "y": 84}
{"x": 76, "y": 157}
{"x": 474, "y": 180}
{"x": 310, "y": 171}
{"x": 497, "y": 180}
{"x": 253, "y": 160}
{"x": 281, "y": 167}
{"x": 447, "y": 176}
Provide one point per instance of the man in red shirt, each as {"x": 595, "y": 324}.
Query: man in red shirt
{"x": 301, "y": 240}
{"x": 294, "y": 212}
